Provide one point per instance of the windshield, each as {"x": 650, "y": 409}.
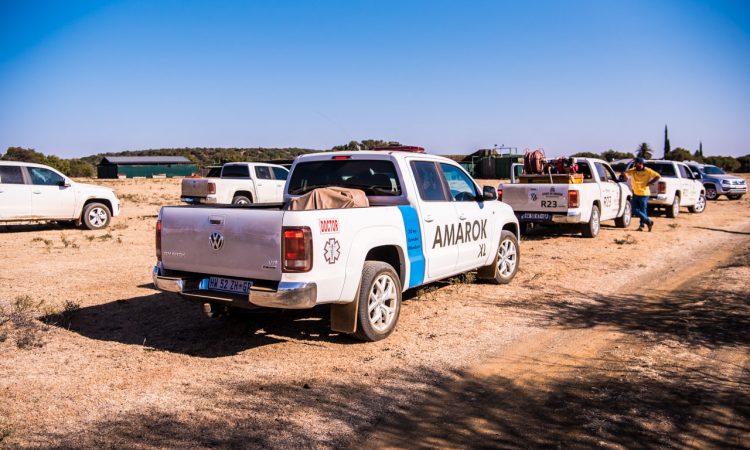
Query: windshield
{"x": 712, "y": 170}
{"x": 373, "y": 177}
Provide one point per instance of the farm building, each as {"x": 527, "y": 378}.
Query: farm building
{"x": 145, "y": 166}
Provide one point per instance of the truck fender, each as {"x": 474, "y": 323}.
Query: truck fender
{"x": 365, "y": 240}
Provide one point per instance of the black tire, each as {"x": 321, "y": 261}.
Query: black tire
{"x": 711, "y": 193}
{"x": 734, "y": 196}
{"x": 591, "y": 229}
{"x": 96, "y": 216}
{"x": 700, "y": 205}
{"x": 627, "y": 216}
{"x": 381, "y": 321}
{"x": 241, "y": 200}
{"x": 505, "y": 265}
{"x": 674, "y": 210}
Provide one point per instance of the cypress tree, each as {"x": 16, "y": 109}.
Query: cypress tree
{"x": 667, "y": 147}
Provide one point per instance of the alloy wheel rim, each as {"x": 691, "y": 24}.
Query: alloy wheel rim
{"x": 382, "y": 303}
{"x": 507, "y": 257}
{"x": 701, "y": 203}
{"x": 97, "y": 217}
{"x": 595, "y": 222}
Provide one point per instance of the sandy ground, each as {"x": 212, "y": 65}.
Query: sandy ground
{"x": 628, "y": 340}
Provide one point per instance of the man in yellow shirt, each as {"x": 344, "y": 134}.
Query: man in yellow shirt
{"x": 641, "y": 176}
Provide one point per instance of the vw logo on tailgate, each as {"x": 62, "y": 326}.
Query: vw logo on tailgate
{"x": 216, "y": 240}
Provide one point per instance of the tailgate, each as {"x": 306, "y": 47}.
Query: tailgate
{"x": 194, "y": 187}
{"x": 551, "y": 198}
{"x": 232, "y": 241}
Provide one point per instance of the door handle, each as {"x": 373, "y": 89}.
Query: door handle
{"x": 260, "y": 184}
{"x": 37, "y": 192}
{"x": 428, "y": 218}
{"x": 462, "y": 216}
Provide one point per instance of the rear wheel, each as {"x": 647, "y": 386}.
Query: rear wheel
{"x": 591, "y": 229}
{"x": 379, "y": 301}
{"x": 734, "y": 196}
{"x": 95, "y": 216}
{"x": 241, "y": 200}
{"x": 711, "y": 193}
{"x": 700, "y": 205}
{"x": 627, "y": 215}
{"x": 674, "y": 210}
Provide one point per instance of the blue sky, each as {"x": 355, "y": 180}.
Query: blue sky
{"x": 82, "y": 77}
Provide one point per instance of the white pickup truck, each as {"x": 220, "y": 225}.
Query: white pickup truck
{"x": 426, "y": 220}
{"x": 33, "y": 192}
{"x": 677, "y": 187}
{"x": 239, "y": 183}
{"x": 562, "y": 199}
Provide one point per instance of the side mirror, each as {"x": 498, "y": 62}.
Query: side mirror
{"x": 489, "y": 193}
{"x": 697, "y": 175}
{"x": 621, "y": 178}
{"x": 64, "y": 183}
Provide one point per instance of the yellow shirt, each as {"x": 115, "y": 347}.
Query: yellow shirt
{"x": 639, "y": 180}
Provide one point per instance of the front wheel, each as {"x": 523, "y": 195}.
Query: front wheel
{"x": 591, "y": 229}
{"x": 627, "y": 215}
{"x": 95, "y": 216}
{"x": 711, "y": 193}
{"x": 674, "y": 210}
{"x": 700, "y": 205}
{"x": 505, "y": 265}
{"x": 379, "y": 302}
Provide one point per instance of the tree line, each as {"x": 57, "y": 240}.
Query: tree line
{"x": 728, "y": 163}
{"x": 209, "y": 156}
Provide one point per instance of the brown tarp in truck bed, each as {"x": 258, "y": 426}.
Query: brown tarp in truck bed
{"x": 330, "y": 198}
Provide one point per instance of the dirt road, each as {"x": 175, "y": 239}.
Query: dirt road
{"x": 628, "y": 340}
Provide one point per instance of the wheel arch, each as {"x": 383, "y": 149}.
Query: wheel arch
{"x": 247, "y": 194}
{"x": 389, "y": 254}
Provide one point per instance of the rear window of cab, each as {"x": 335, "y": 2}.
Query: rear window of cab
{"x": 374, "y": 177}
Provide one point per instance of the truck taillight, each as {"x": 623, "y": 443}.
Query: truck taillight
{"x": 296, "y": 248}
{"x": 211, "y": 188}
{"x": 662, "y": 187}
{"x": 499, "y": 195}
{"x": 158, "y": 240}
{"x": 573, "y": 201}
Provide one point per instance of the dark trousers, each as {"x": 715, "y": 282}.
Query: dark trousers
{"x": 640, "y": 208}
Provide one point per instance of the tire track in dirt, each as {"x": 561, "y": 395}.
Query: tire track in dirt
{"x": 506, "y": 400}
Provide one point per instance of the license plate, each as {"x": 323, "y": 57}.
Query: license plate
{"x": 229, "y": 285}
{"x": 536, "y": 216}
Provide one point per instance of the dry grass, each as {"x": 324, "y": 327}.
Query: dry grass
{"x": 20, "y": 324}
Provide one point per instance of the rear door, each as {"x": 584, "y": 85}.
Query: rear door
{"x": 280, "y": 175}
{"x": 15, "y": 194}
{"x": 474, "y": 226}
{"x": 439, "y": 219}
{"x": 265, "y": 184}
{"x": 610, "y": 191}
{"x": 50, "y": 198}
{"x": 689, "y": 186}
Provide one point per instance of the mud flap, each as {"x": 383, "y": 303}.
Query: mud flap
{"x": 344, "y": 316}
{"x": 490, "y": 271}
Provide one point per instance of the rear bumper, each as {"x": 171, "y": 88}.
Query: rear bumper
{"x": 660, "y": 199}
{"x": 199, "y": 200}
{"x": 572, "y": 216}
{"x": 288, "y": 295}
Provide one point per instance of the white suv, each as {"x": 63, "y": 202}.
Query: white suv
{"x": 36, "y": 192}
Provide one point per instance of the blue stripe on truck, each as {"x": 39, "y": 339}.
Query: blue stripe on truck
{"x": 413, "y": 245}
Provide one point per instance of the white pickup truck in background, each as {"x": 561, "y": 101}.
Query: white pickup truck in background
{"x": 238, "y": 183}
{"x": 425, "y": 219}
{"x": 677, "y": 187}
{"x": 588, "y": 197}
{"x": 33, "y": 192}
